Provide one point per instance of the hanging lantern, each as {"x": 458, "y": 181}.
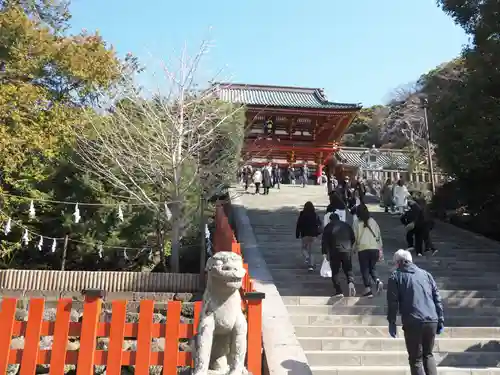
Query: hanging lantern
{"x": 269, "y": 127}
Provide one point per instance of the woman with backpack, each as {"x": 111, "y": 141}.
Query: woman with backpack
{"x": 369, "y": 247}
{"x": 309, "y": 226}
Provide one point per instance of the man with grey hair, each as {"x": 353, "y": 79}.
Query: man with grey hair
{"x": 413, "y": 292}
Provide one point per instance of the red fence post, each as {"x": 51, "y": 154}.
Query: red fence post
{"x": 171, "y": 355}
{"x": 116, "y": 336}
{"x": 8, "y": 319}
{"x": 254, "y": 319}
{"x": 223, "y": 236}
{"x": 32, "y": 339}
{"x": 90, "y": 325}
{"x": 61, "y": 333}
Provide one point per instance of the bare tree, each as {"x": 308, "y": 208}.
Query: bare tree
{"x": 171, "y": 147}
{"x": 406, "y": 116}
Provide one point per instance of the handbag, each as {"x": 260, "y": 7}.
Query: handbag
{"x": 325, "y": 270}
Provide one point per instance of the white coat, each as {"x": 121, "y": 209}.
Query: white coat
{"x": 257, "y": 177}
{"x": 341, "y": 213}
{"x": 401, "y": 196}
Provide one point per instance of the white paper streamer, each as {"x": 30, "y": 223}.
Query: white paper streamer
{"x": 167, "y": 212}
{"x": 54, "y": 245}
{"x": 32, "y": 212}
{"x": 40, "y": 244}
{"x": 8, "y": 226}
{"x": 120, "y": 213}
{"x": 100, "y": 251}
{"x": 150, "y": 256}
{"x": 76, "y": 214}
{"x": 125, "y": 256}
{"x": 26, "y": 238}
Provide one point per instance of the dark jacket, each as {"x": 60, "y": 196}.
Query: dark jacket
{"x": 361, "y": 188}
{"x": 413, "y": 215}
{"x": 308, "y": 225}
{"x": 418, "y": 214}
{"x": 338, "y": 237}
{"x": 413, "y": 292}
{"x": 336, "y": 202}
{"x": 266, "y": 178}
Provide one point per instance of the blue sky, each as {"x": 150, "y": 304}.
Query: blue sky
{"x": 357, "y": 50}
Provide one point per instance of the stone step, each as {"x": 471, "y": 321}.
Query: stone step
{"x": 399, "y": 358}
{"x": 275, "y": 249}
{"x": 397, "y": 370}
{"x": 327, "y": 290}
{"x": 288, "y": 261}
{"x": 357, "y": 331}
{"x": 450, "y": 300}
{"x": 381, "y": 320}
{"x": 452, "y": 284}
{"x": 382, "y": 310}
{"x": 383, "y": 344}
{"x": 314, "y": 276}
{"x": 386, "y": 270}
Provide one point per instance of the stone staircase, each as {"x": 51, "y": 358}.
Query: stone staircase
{"x": 349, "y": 335}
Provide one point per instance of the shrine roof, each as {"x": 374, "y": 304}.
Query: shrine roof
{"x": 279, "y": 96}
{"x": 386, "y": 158}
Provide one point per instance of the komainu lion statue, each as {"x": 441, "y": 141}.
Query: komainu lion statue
{"x": 221, "y": 343}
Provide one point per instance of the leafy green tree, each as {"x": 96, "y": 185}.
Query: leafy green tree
{"x": 47, "y": 83}
{"x": 466, "y": 110}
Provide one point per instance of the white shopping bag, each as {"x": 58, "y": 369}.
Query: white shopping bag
{"x": 325, "y": 270}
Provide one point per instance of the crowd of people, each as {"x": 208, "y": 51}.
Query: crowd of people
{"x": 271, "y": 176}
{"x": 411, "y": 291}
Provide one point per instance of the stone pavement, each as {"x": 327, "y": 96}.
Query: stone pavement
{"x": 350, "y": 335}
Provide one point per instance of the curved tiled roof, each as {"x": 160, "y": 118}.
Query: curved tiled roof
{"x": 278, "y": 96}
{"x": 387, "y": 159}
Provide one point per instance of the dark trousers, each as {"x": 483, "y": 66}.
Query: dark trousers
{"x": 367, "y": 263}
{"x": 423, "y": 239}
{"x": 341, "y": 261}
{"x": 257, "y": 187}
{"x": 419, "y": 341}
{"x": 246, "y": 185}
{"x": 409, "y": 237}
{"x": 266, "y": 190}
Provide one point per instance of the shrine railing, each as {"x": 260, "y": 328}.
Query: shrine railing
{"x": 14, "y": 330}
{"x": 117, "y": 331}
{"x": 225, "y": 240}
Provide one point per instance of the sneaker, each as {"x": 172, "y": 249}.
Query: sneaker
{"x": 368, "y": 294}
{"x": 310, "y": 268}
{"x": 380, "y": 286}
{"x": 339, "y": 295}
{"x": 419, "y": 255}
{"x": 434, "y": 251}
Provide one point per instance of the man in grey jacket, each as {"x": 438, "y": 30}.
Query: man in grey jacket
{"x": 413, "y": 292}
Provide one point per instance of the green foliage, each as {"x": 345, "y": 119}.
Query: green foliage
{"x": 466, "y": 110}
{"x": 43, "y": 99}
{"x": 365, "y": 130}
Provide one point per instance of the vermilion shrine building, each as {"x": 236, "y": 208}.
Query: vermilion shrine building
{"x": 289, "y": 125}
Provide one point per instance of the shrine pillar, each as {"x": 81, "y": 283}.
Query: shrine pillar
{"x": 319, "y": 168}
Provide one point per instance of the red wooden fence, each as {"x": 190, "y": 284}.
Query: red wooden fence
{"x": 117, "y": 330}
